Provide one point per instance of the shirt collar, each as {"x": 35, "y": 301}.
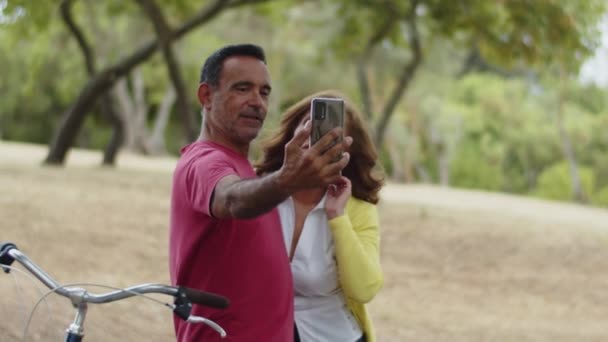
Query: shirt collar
{"x": 321, "y": 204}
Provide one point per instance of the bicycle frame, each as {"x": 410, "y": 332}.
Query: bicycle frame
{"x": 79, "y": 297}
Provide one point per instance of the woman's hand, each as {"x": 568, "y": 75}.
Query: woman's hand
{"x": 337, "y": 196}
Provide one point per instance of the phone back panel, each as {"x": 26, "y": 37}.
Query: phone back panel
{"x": 325, "y": 114}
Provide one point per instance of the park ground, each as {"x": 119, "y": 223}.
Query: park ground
{"x": 459, "y": 265}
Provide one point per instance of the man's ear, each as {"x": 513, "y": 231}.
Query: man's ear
{"x": 204, "y": 95}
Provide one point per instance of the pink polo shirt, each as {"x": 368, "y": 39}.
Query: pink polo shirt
{"x": 243, "y": 260}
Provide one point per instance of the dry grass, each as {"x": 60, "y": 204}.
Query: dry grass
{"x": 459, "y": 265}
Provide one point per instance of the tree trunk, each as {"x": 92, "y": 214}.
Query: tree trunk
{"x": 407, "y": 74}
{"x": 126, "y": 108}
{"x": 443, "y": 164}
{"x": 134, "y": 110}
{"x": 411, "y": 144}
{"x": 75, "y": 115}
{"x": 107, "y": 105}
{"x": 118, "y": 133}
{"x": 156, "y": 143}
{"x": 366, "y": 96}
{"x": 140, "y": 113}
{"x": 117, "y": 122}
{"x": 423, "y": 174}
{"x": 362, "y": 79}
{"x": 104, "y": 80}
{"x": 163, "y": 33}
{"x": 577, "y": 188}
{"x": 578, "y": 192}
{"x": 397, "y": 162}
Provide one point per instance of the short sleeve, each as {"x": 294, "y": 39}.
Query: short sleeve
{"x": 202, "y": 177}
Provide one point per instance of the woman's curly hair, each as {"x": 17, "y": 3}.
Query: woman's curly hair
{"x": 363, "y": 169}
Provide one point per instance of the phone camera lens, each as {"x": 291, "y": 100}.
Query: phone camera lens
{"x": 320, "y": 111}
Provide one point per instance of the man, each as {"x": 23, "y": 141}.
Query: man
{"x": 225, "y": 232}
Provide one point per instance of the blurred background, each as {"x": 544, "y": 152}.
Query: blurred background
{"x": 503, "y": 96}
{"x": 491, "y": 118}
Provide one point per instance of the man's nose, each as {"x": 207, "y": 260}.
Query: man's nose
{"x": 256, "y": 100}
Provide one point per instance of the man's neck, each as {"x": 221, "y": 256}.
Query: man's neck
{"x": 218, "y": 139}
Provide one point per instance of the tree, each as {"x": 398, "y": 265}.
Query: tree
{"x": 32, "y": 93}
{"x": 105, "y": 79}
{"x": 163, "y": 33}
{"x": 578, "y": 193}
{"x": 506, "y": 33}
{"x": 34, "y": 16}
{"x": 107, "y": 103}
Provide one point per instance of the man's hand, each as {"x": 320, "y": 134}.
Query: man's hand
{"x": 314, "y": 166}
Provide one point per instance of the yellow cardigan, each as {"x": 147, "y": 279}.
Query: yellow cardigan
{"x": 356, "y": 241}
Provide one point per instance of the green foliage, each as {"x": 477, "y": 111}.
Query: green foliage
{"x": 493, "y": 126}
{"x": 556, "y": 183}
{"x": 507, "y": 32}
{"x": 499, "y": 133}
{"x": 31, "y": 16}
{"x": 36, "y": 86}
{"x": 94, "y": 135}
{"x": 542, "y": 32}
{"x": 387, "y": 162}
{"x": 472, "y": 169}
{"x": 601, "y": 197}
{"x": 590, "y": 98}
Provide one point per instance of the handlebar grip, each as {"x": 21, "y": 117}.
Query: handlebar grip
{"x": 6, "y": 246}
{"x": 5, "y": 258}
{"x": 206, "y": 298}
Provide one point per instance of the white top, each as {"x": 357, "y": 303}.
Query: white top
{"x": 320, "y": 309}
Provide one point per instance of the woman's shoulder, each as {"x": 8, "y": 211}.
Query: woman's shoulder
{"x": 356, "y": 206}
{"x": 359, "y": 203}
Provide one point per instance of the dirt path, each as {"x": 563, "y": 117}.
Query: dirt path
{"x": 487, "y": 203}
{"x": 459, "y": 265}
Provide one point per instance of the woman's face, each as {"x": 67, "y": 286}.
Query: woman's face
{"x": 305, "y": 117}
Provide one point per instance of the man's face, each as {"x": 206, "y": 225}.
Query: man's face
{"x": 236, "y": 108}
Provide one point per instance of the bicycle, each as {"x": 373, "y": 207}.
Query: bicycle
{"x": 80, "y": 297}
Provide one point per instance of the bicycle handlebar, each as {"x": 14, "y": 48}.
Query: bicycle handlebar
{"x": 184, "y": 296}
{"x": 205, "y": 298}
{"x": 9, "y": 252}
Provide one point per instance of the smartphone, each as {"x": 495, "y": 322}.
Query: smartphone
{"x": 325, "y": 114}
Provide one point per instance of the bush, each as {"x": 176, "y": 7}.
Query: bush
{"x": 469, "y": 169}
{"x": 555, "y": 182}
{"x": 601, "y": 197}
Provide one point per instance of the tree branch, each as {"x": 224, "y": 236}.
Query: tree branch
{"x": 163, "y": 32}
{"x": 362, "y": 78}
{"x": 74, "y": 117}
{"x": 406, "y": 76}
{"x": 66, "y": 13}
{"x": 106, "y": 104}
{"x": 209, "y": 12}
{"x": 475, "y": 62}
{"x": 237, "y": 3}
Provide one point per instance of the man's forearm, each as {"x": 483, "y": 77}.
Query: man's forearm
{"x": 249, "y": 198}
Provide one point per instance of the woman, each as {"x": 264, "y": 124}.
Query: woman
{"x": 331, "y": 236}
